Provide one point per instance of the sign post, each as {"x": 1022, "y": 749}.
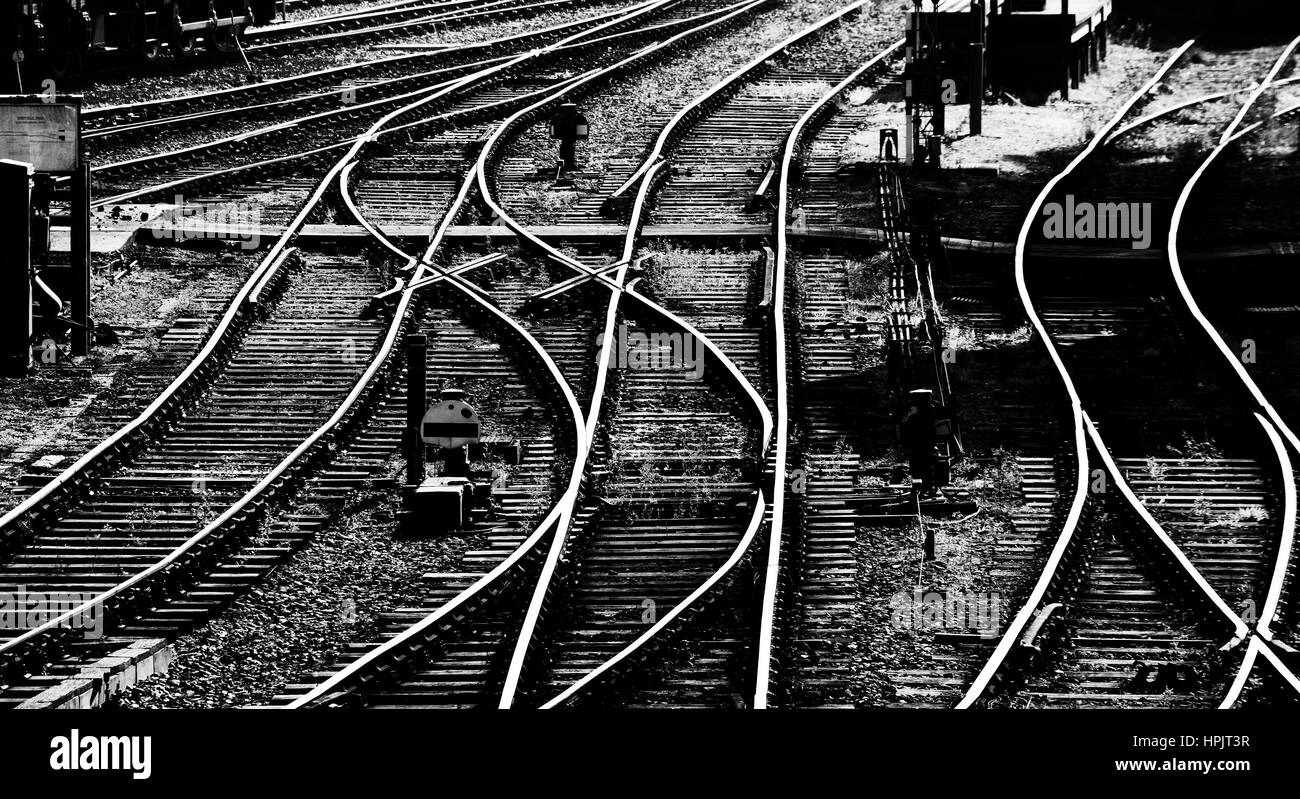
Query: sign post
{"x": 976, "y": 89}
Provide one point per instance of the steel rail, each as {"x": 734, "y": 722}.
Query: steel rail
{"x": 646, "y": 174}
{"x": 265, "y": 44}
{"x": 324, "y": 95}
{"x": 1272, "y": 605}
{"x": 1240, "y": 631}
{"x": 240, "y": 307}
{"x": 1273, "y": 596}
{"x": 207, "y": 97}
{"x": 442, "y": 90}
{"x": 455, "y": 609}
{"x": 317, "y": 152}
{"x": 1176, "y": 267}
{"x": 542, "y": 590}
{"x": 772, "y": 575}
{"x": 1174, "y": 109}
{"x": 1271, "y": 420}
{"x": 561, "y": 514}
{"x": 1017, "y": 627}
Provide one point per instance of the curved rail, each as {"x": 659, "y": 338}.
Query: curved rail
{"x": 1205, "y": 98}
{"x": 262, "y": 275}
{"x": 771, "y": 447}
{"x": 1240, "y": 630}
{"x": 1175, "y": 263}
{"x": 1023, "y": 617}
{"x": 1273, "y": 596}
{"x": 239, "y": 307}
{"x": 1274, "y": 426}
{"x": 581, "y": 40}
{"x": 454, "y": 609}
{"x": 560, "y": 516}
{"x": 533, "y": 617}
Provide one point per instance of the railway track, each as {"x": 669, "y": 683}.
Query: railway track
{"x": 605, "y": 538}
{"x": 1151, "y": 596}
{"x": 183, "y": 110}
{"x": 385, "y": 21}
{"x": 841, "y": 502}
{"x": 273, "y": 150}
{"x": 274, "y": 47}
{"x": 1274, "y": 631}
{"x": 650, "y": 549}
{"x": 467, "y": 670}
{"x": 715, "y": 152}
{"x": 296, "y": 331}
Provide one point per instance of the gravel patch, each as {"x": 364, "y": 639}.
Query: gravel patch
{"x": 330, "y": 594}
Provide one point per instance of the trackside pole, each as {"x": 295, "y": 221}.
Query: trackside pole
{"x": 417, "y": 401}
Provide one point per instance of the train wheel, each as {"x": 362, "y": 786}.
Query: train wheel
{"x": 149, "y": 50}
{"x": 184, "y": 44}
{"x": 65, "y": 48}
{"x": 221, "y": 40}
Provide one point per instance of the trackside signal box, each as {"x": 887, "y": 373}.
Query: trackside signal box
{"x": 44, "y": 131}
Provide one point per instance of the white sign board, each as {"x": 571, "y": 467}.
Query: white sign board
{"x": 450, "y": 424}
{"x": 42, "y": 134}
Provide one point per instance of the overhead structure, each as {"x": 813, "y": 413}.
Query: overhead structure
{"x": 1030, "y": 47}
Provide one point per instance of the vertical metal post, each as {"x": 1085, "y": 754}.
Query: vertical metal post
{"x": 569, "y": 153}
{"x": 16, "y": 317}
{"x": 909, "y": 125}
{"x": 976, "y": 88}
{"x": 1093, "y": 60}
{"x": 79, "y": 260}
{"x": 417, "y": 402}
